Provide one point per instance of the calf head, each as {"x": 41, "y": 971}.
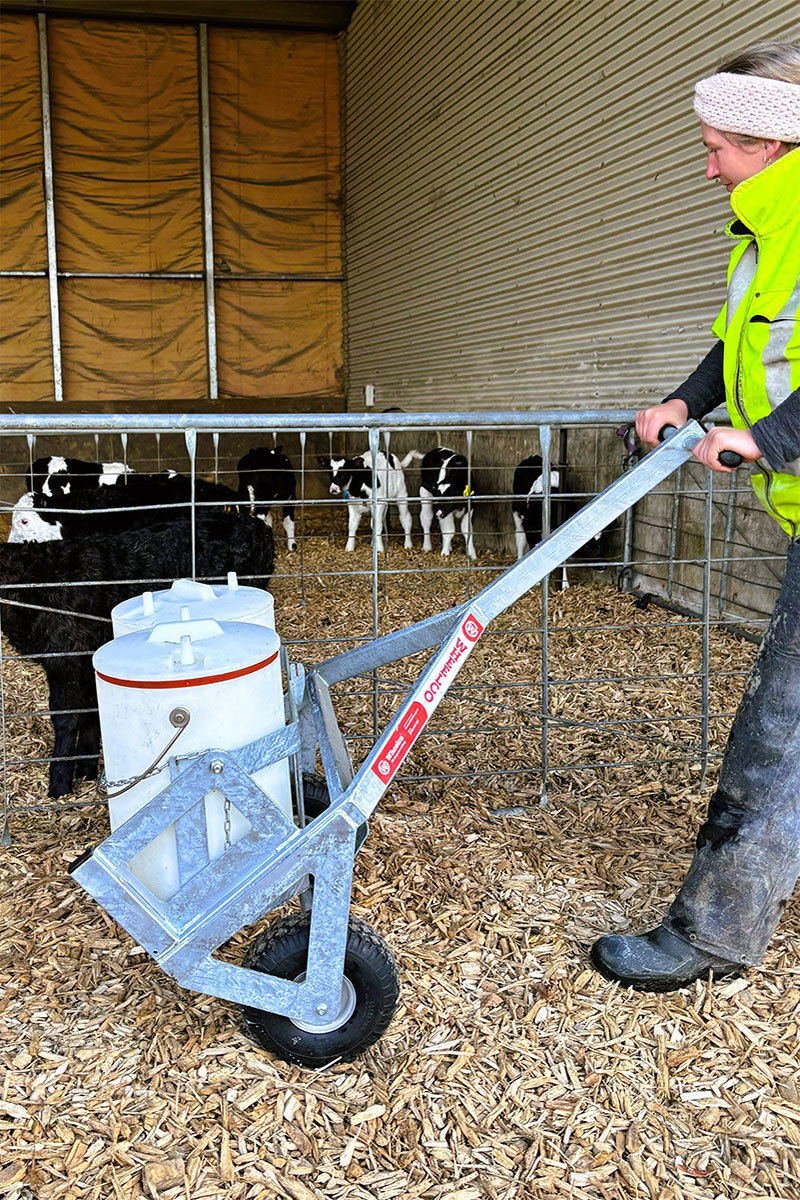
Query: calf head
{"x": 349, "y": 477}
{"x": 28, "y": 525}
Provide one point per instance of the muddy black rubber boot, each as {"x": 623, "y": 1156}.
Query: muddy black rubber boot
{"x": 658, "y": 961}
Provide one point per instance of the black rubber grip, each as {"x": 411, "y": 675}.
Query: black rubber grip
{"x": 728, "y": 458}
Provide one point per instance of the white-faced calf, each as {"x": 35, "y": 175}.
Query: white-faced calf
{"x": 351, "y": 478}
{"x": 444, "y": 491}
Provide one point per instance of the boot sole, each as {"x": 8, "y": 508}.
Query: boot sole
{"x": 656, "y": 984}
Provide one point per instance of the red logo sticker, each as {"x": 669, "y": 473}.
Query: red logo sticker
{"x": 472, "y": 628}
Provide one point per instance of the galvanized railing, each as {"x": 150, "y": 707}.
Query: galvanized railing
{"x": 631, "y": 567}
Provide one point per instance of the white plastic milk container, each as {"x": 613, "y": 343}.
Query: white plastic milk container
{"x": 227, "y": 676}
{"x": 221, "y": 602}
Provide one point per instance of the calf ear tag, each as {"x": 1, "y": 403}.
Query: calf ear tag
{"x": 468, "y": 491}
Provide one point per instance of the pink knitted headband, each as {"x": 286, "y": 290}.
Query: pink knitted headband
{"x": 750, "y": 104}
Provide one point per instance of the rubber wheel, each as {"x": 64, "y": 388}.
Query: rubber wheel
{"x": 316, "y": 797}
{"x": 369, "y": 967}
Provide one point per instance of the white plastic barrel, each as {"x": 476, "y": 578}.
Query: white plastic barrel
{"x": 221, "y": 602}
{"x": 227, "y": 675}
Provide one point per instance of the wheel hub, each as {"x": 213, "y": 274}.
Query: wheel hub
{"x": 347, "y": 1006}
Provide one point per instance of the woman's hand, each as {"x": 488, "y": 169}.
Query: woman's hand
{"x": 708, "y": 449}
{"x": 650, "y": 421}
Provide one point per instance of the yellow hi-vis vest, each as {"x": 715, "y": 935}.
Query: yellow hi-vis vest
{"x": 759, "y": 321}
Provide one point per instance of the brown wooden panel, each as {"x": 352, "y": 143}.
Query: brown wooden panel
{"x": 26, "y": 352}
{"x": 23, "y": 237}
{"x": 275, "y": 151}
{"x": 133, "y": 339}
{"x": 279, "y": 339}
{"x": 126, "y": 146}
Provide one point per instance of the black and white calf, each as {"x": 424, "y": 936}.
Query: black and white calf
{"x": 443, "y": 492}
{"x": 143, "y": 500}
{"x": 266, "y": 477}
{"x": 56, "y": 477}
{"x": 528, "y": 507}
{"x": 351, "y": 478}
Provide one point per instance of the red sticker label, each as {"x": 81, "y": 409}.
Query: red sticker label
{"x": 401, "y": 741}
{"x": 413, "y": 721}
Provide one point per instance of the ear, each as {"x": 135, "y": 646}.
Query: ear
{"x": 278, "y": 450}
{"x": 773, "y": 149}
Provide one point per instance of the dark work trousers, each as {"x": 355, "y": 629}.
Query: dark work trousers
{"x": 748, "y": 850}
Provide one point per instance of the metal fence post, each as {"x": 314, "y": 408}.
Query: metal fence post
{"x": 50, "y": 210}
{"x": 545, "y": 443}
{"x": 190, "y": 437}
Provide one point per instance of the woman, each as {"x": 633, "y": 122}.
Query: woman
{"x": 747, "y": 858}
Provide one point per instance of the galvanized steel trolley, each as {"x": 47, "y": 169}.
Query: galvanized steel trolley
{"x": 320, "y": 985}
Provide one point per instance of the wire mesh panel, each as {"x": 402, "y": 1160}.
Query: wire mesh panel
{"x": 629, "y": 659}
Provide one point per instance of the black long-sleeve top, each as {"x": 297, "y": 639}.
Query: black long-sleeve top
{"x": 777, "y": 435}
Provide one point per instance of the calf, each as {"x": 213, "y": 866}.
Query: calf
{"x": 351, "y": 478}
{"x": 56, "y": 477}
{"x": 444, "y": 489}
{"x": 266, "y": 477}
{"x": 102, "y": 510}
{"x": 528, "y": 506}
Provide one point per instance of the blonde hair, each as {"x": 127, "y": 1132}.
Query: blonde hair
{"x": 771, "y": 60}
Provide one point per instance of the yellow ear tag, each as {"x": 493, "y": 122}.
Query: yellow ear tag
{"x": 468, "y": 491}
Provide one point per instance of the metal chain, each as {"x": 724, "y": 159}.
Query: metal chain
{"x": 179, "y": 718}
{"x": 227, "y": 823}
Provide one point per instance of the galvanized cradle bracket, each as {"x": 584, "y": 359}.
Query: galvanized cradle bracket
{"x": 274, "y": 860}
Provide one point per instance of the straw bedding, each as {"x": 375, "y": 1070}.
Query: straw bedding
{"x": 510, "y": 1070}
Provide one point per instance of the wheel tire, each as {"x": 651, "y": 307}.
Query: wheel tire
{"x": 369, "y": 965}
{"x": 316, "y": 798}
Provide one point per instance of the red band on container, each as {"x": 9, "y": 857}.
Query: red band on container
{"x": 178, "y": 683}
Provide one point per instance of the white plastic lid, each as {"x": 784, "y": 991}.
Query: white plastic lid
{"x": 186, "y": 651}
{"x": 224, "y": 602}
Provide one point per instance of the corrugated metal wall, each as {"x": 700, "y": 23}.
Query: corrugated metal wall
{"x": 527, "y": 220}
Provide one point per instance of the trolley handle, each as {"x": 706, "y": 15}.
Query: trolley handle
{"x": 728, "y": 458}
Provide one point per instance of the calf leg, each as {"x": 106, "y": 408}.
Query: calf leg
{"x": 425, "y": 520}
{"x": 448, "y": 527}
{"x": 466, "y": 533}
{"x": 520, "y": 537}
{"x": 65, "y": 730}
{"x": 405, "y": 521}
{"x": 288, "y": 525}
{"x": 88, "y": 746}
{"x": 353, "y": 522}
{"x": 378, "y": 533}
